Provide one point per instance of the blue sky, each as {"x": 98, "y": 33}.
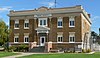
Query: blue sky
{"x": 91, "y": 6}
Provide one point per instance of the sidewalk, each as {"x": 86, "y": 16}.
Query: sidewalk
{"x": 21, "y": 54}
{"x": 91, "y": 52}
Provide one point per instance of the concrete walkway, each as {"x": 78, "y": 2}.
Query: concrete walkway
{"x": 91, "y": 52}
{"x": 20, "y": 55}
{"x": 23, "y": 54}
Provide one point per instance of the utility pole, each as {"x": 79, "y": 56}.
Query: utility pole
{"x": 55, "y": 3}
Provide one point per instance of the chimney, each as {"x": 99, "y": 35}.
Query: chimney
{"x": 89, "y": 15}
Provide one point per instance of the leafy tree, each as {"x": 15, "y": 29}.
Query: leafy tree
{"x": 96, "y": 37}
{"x": 94, "y": 34}
{"x": 99, "y": 31}
{"x": 4, "y": 32}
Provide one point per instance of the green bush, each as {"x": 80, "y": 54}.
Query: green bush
{"x": 19, "y": 48}
{"x": 88, "y": 50}
{"x": 12, "y": 48}
{"x": 83, "y": 50}
{"x": 22, "y": 47}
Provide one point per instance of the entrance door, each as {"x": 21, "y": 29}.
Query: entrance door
{"x": 42, "y": 40}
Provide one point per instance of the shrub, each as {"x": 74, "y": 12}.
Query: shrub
{"x": 19, "y": 48}
{"x": 65, "y": 51}
{"x": 83, "y": 50}
{"x": 88, "y": 50}
{"x": 12, "y": 48}
{"x": 22, "y": 47}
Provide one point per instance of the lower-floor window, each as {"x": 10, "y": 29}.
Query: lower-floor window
{"x": 59, "y": 38}
{"x": 26, "y": 39}
{"x": 72, "y": 37}
{"x": 16, "y": 39}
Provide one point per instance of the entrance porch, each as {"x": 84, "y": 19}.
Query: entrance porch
{"x": 42, "y": 35}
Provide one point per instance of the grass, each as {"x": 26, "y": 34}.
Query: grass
{"x": 4, "y": 54}
{"x": 64, "y": 55}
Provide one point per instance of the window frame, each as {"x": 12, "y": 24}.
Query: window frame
{"x": 71, "y": 20}
{"x": 25, "y": 39}
{"x": 16, "y": 22}
{"x": 61, "y": 39}
{"x": 15, "y": 39}
{"x": 26, "y": 21}
{"x": 59, "y": 20}
{"x": 72, "y": 35}
{"x": 42, "y": 20}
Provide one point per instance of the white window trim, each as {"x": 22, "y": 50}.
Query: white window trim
{"x": 24, "y": 39}
{"x": 26, "y": 21}
{"x": 71, "y": 18}
{"x": 61, "y": 35}
{"x": 16, "y": 37}
{"x": 71, "y": 36}
{"x": 16, "y": 21}
{"x": 16, "y": 28}
{"x": 42, "y": 19}
{"x": 60, "y": 19}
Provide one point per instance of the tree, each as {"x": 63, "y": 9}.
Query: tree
{"x": 4, "y": 32}
{"x": 94, "y": 33}
{"x": 99, "y": 31}
{"x": 95, "y": 37}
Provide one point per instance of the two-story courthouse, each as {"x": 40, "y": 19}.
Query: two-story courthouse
{"x": 52, "y": 28}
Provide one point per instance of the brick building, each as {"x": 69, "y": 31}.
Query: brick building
{"x": 53, "y": 28}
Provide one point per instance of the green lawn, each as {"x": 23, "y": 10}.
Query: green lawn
{"x": 3, "y": 54}
{"x": 64, "y": 55}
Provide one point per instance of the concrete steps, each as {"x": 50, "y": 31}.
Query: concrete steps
{"x": 37, "y": 49}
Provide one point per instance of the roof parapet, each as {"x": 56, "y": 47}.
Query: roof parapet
{"x": 79, "y": 6}
{"x": 11, "y": 11}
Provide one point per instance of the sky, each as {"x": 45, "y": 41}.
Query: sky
{"x": 91, "y": 6}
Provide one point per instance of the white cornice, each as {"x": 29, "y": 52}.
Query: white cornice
{"x": 86, "y": 16}
{"x": 46, "y": 12}
{"x": 77, "y": 9}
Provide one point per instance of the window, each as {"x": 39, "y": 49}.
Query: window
{"x": 26, "y": 24}
{"x": 26, "y": 39}
{"x": 16, "y": 24}
{"x": 71, "y": 22}
{"x": 16, "y": 38}
{"x": 42, "y": 22}
{"x": 60, "y": 23}
{"x": 60, "y": 38}
{"x": 71, "y": 37}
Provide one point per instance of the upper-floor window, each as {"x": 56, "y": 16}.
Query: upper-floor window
{"x": 71, "y": 21}
{"x": 16, "y": 25}
{"x": 71, "y": 37}
{"x": 42, "y": 22}
{"x": 26, "y": 39}
{"x": 60, "y": 23}
{"x": 16, "y": 39}
{"x": 26, "y": 24}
